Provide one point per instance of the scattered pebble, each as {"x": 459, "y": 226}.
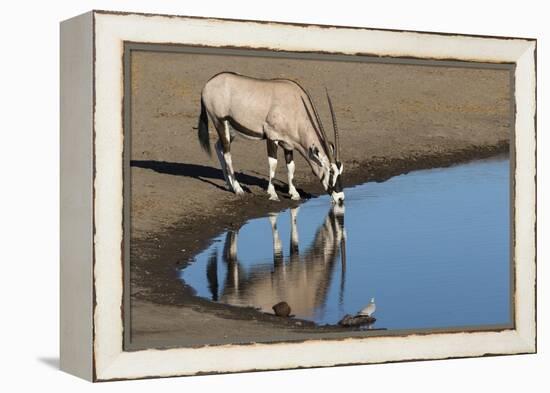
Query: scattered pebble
{"x": 282, "y": 309}
{"x": 356, "y": 320}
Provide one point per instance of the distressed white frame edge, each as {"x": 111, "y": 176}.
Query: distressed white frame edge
{"x": 111, "y": 362}
{"x": 76, "y": 193}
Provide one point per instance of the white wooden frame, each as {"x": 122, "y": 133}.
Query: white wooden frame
{"x": 92, "y": 48}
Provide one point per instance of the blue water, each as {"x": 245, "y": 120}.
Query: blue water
{"x": 431, "y": 246}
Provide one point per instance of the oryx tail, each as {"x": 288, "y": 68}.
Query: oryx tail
{"x": 204, "y": 138}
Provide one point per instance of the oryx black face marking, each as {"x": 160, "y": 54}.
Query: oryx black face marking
{"x": 335, "y": 184}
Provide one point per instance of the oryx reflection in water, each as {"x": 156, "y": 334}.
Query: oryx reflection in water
{"x": 302, "y": 278}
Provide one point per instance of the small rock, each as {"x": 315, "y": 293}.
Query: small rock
{"x": 345, "y": 321}
{"x": 356, "y": 320}
{"x": 282, "y": 309}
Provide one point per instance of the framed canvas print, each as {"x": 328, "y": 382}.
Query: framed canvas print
{"x": 246, "y": 195}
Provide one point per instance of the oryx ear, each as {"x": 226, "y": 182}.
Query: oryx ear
{"x": 331, "y": 146}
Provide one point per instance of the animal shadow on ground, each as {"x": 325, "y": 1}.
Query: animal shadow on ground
{"x": 207, "y": 174}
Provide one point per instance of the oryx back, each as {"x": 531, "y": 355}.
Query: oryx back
{"x": 256, "y": 108}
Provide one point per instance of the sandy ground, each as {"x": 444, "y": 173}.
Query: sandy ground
{"x": 164, "y": 332}
{"x": 393, "y": 119}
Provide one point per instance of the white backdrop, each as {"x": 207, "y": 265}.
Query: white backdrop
{"x": 30, "y": 181}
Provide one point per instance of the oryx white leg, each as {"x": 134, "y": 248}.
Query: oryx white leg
{"x": 294, "y": 195}
{"x": 219, "y": 153}
{"x": 271, "y": 188}
{"x": 231, "y": 175}
{"x": 272, "y": 160}
{"x": 229, "y": 163}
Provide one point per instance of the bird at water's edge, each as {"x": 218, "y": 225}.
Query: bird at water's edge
{"x": 369, "y": 309}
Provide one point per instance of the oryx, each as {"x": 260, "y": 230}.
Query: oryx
{"x": 279, "y": 111}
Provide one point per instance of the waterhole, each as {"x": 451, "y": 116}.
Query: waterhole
{"x": 432, "y": 247}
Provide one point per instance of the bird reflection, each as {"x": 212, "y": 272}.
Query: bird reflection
{"x": 302, "y": 278}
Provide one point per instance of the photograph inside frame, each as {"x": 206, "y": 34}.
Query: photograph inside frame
{"x": 279, "y": 196}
